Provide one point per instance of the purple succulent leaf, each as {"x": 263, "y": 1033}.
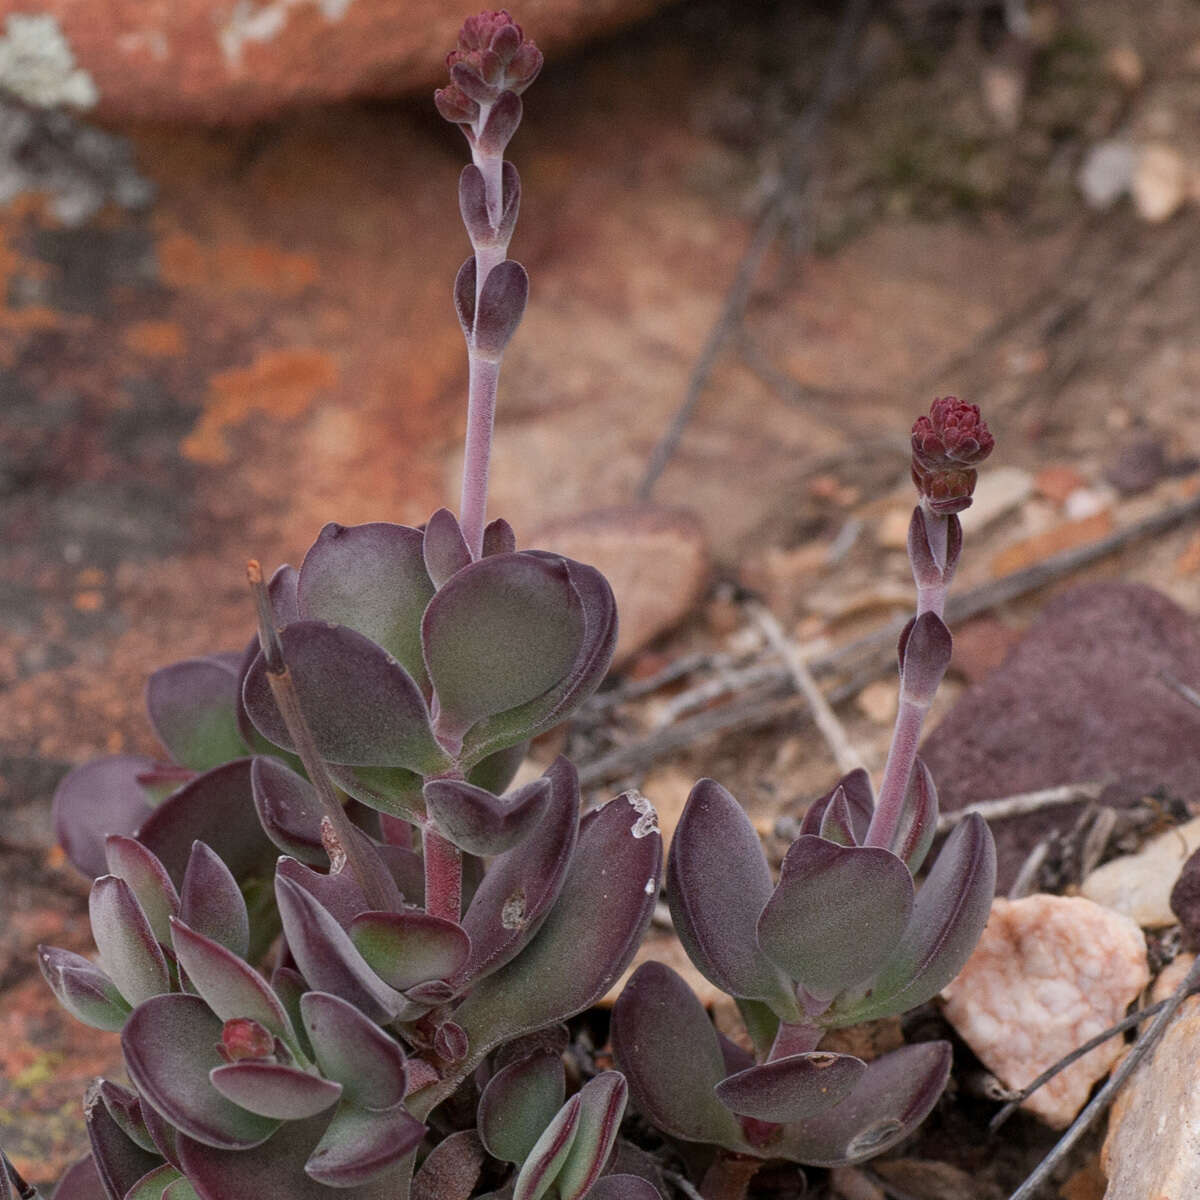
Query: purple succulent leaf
{"x": 502, "y": 632}
{"x": 274, "y": 1170}
{"x": 519, "y": 888}
{"x": 326, "y": 956}
{"x": 97, "y": 799}
{"x": 170, "y": 1045}
{"x": 283, "y": 593}
{"x": 362, "y": 706}
{"x": 410, "y": 947}
{"x": 575, "y": 958}
{"x": 339, "y": 891}
{"x": 500, "y": 309}
{"x": 153, "y": 1184}
{"x": 275, "y": 1090}
{"x": 289, "y": 986}
{"x": 951, "y": 910}
{"x": 373, "y": 579}
{"x": 393, "y": 791}
{"x": 83, "y": 989}
{"x": 230, "y": 987}
{"x": 445, "y": 549}
{"x": 718, "y": 883}
{"x": 836, "y": 915}
{"x": 125, "y": 1109}
{"x": 623, "y": 1187}
{"x": 472, "y": 205}
{"x": 667, "y": 1048}
{"x": 549, "y": 1153}
{"x": 793, "y": 1088}
{"x": 859, "y": 795}
{"x": 481, "y": 823}
{"x": 355, "y": 1052}
{"x": 498, "y": 535}
{"x": 918, "y": 819}
{"x": 193, "y": 708}
{"x": 147, "y": 878}
{"x": 131, "y": 955}
{"x": 431, "y": 993}
{"x": 359, "y": 1146}
{"x": 892, "y": 1097}
{"x": 501, "y": 123}
{"x": 288, "y": 809}
{"x": 450, "y": 1042}
{"x": 211, "y": 902}
{"x": 164, "y": 1134}
{"x": 591, "y": 664}
{"x": 837, "y": 825}
{"x": 735, "y": 1057}
{"x": 517, "y": 1104}
{"x": 120, "y": 1161}
{"x": 925, "y": 651}
{"x": 81, "y": 1182}
{"x": 452, "y": 1168}
{"x": 601, "y": 1106}
{"x": 216, "y": 808}
{"x": 464, "y": 296}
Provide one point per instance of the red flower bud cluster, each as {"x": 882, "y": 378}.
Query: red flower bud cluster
{"x": 493, "y": 56}
{"x": 947, "y": 445}
{"x": 244, "y": 1038}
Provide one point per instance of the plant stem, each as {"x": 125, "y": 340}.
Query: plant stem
{"x": 729, "y": 1176}
{"x": 443, "y": 875}
{"x": 897, "y": 772}
{"x": 794, "y": 1038}
{"x": 933, "y": 598}
{"x": 284, "y": 691}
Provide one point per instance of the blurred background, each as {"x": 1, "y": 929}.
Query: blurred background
{"x": 761, "y": 235}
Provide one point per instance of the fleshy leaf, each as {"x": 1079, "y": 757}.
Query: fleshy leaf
{"x": 211, "y": 902}
{"x": 793, "y": 1088}
{"x": 339, "y": 892}
{"x": 289, "y": 987}
{"x": 216, "y": 808}
{"x": 451, "y": 1169}
{"x": 395, "y": 791}
{"x": 128, "y": 949}
{"x": 362, "y": 706}
{"x": 359, "y": 1146}
{"x": 120, "y": 1162}
{"x": 601, "y": 1107}
{"x": 480, "y": 823}
{"x": 859, "y": 795}
{"x": 918, "y": 819}
{"x": 126, "y": 1110}
{"x": 181, "y": 1189}
{"x": 575, "y": 957}
{"x": 289, "y": 810}
{"x": 97, "y": 799}
{"x": 667, "y": 1048}
{"x": 836, "y": 915}
{"x": 717, "y": 885}
{"x": 951, "y": 910}
{"x": 502, "y": 632}
{"x": 623, "y": 1187}
{"x": 549, "y": 1153}
{"x": 230, "y": 987}
{"x": 498, "y": 538}
{"x": 81, "y": 1182}
{"x": 152, "y": 1185}
{"x": 837, "y": 825}
{"x": 517, "y": 1104}
{"x": 147, "y": 878}
{"x": 411, "y": 947}
{"x": 892, "y": 1097}
{"x": 925, "y": 651}
{"x": 349, "y": 1048}
{"x": 83, "y": 989}
{"x": 326, "y": 956}
{"x": 445, "y": 549}
{"x": 275, "y": 1090}
{"x": 193, "y": 708}
{"x": 521, "y": 885}
{"x": 283, "y": 594}
{"x": 373, "y": 579}
{"x": 170, "y": 1045}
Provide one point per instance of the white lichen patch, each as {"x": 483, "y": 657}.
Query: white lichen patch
{"x": 647, "y": 819}
{"x": 651, "y": 886}
{"x": 37, "y": 66}
{"x": 262, "y": 23}
{"x": 514, "y": 913}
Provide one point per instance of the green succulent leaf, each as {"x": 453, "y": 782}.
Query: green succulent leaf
{"x": 128, "y": 949}
{"x": 360, "y": 1147}
{"x": 147, "y": 878}
{"x": 275, "y": 1090}
{"x": 289, "y": 809}
{"x": 211, "y": 902}
{"x": 120, "y": 1162}
{"x": 549, "y": 1153}
{"x": 517, "y": 1104}
{"x": 193, "y": 708}
{"x": 793, "y": 1088}
{"x": 152, "y": 1185}
{"x": 601, "y": 1107}
{"x": 353, "y": 1050}
{"x": 83, "y": 989}
{"x": 445, "y": 549}
{"x": 410, "y": 947}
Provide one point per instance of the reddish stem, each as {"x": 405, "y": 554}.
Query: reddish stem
{"x": 443, "y": 876}
{"x": 729, "y": 1176}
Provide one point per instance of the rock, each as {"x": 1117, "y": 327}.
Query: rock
{"x": 656, "y": 560}
{"x": 892, "y": 530}
{"x": 1125, "y": 65}
{"x": 1171, "y": 976}
{"x": 1088, "y": 1183}
{"x": 980, "y": 646}
{"x": 1139, "y": 465}
{"x": 1086, "y": 502}
{"x": 1080, "y": 698}
{"x": 1107, "y": 173}
{"x": 236, "y": 61}
{"x": 1185, "y": 897}
{"x": 1154, "y": 1126}
{"x": 1139, "y": 885}
{"x": 1040, "y": 546}
{"x": 1048, "y": 973}
{"x": 1057, "y": 481}
{"x": 878, "y": 701}
{"x": 997, "y": 493}
{"x": 1160, "y": 182}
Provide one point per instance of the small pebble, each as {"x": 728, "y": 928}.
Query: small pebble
{"x": 1160, "y": 182}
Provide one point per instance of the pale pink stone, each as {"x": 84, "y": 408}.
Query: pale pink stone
{"x": 1048, "y": 973}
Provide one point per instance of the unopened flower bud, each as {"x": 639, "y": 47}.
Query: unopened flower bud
{"x": 455, "y": 105}
{"x": 493, "y": 56}
{"x": 946, "y": 447}
{"x": 243, "y": 1038}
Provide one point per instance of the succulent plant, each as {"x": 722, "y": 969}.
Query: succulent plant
{"x": 339, "y": 952}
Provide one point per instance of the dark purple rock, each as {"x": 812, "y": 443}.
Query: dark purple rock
{"x": 1185, "y": 898}
{"x": 1080, "y": 698}
{"x": 1139, "y": 465}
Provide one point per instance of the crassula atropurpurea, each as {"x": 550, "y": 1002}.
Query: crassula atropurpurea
{"x": 340, "y": 950}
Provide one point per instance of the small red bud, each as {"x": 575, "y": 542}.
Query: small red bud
{"x": 946, "y": 447}
{"x": 243, "y": 1038}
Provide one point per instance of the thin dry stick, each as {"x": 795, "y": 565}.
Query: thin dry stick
{"x": 1104, "y": 1097}
{"x": 1021, "y": 804}
{"x": 847, "y": 757}
{"x": 677, "y": 1181}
